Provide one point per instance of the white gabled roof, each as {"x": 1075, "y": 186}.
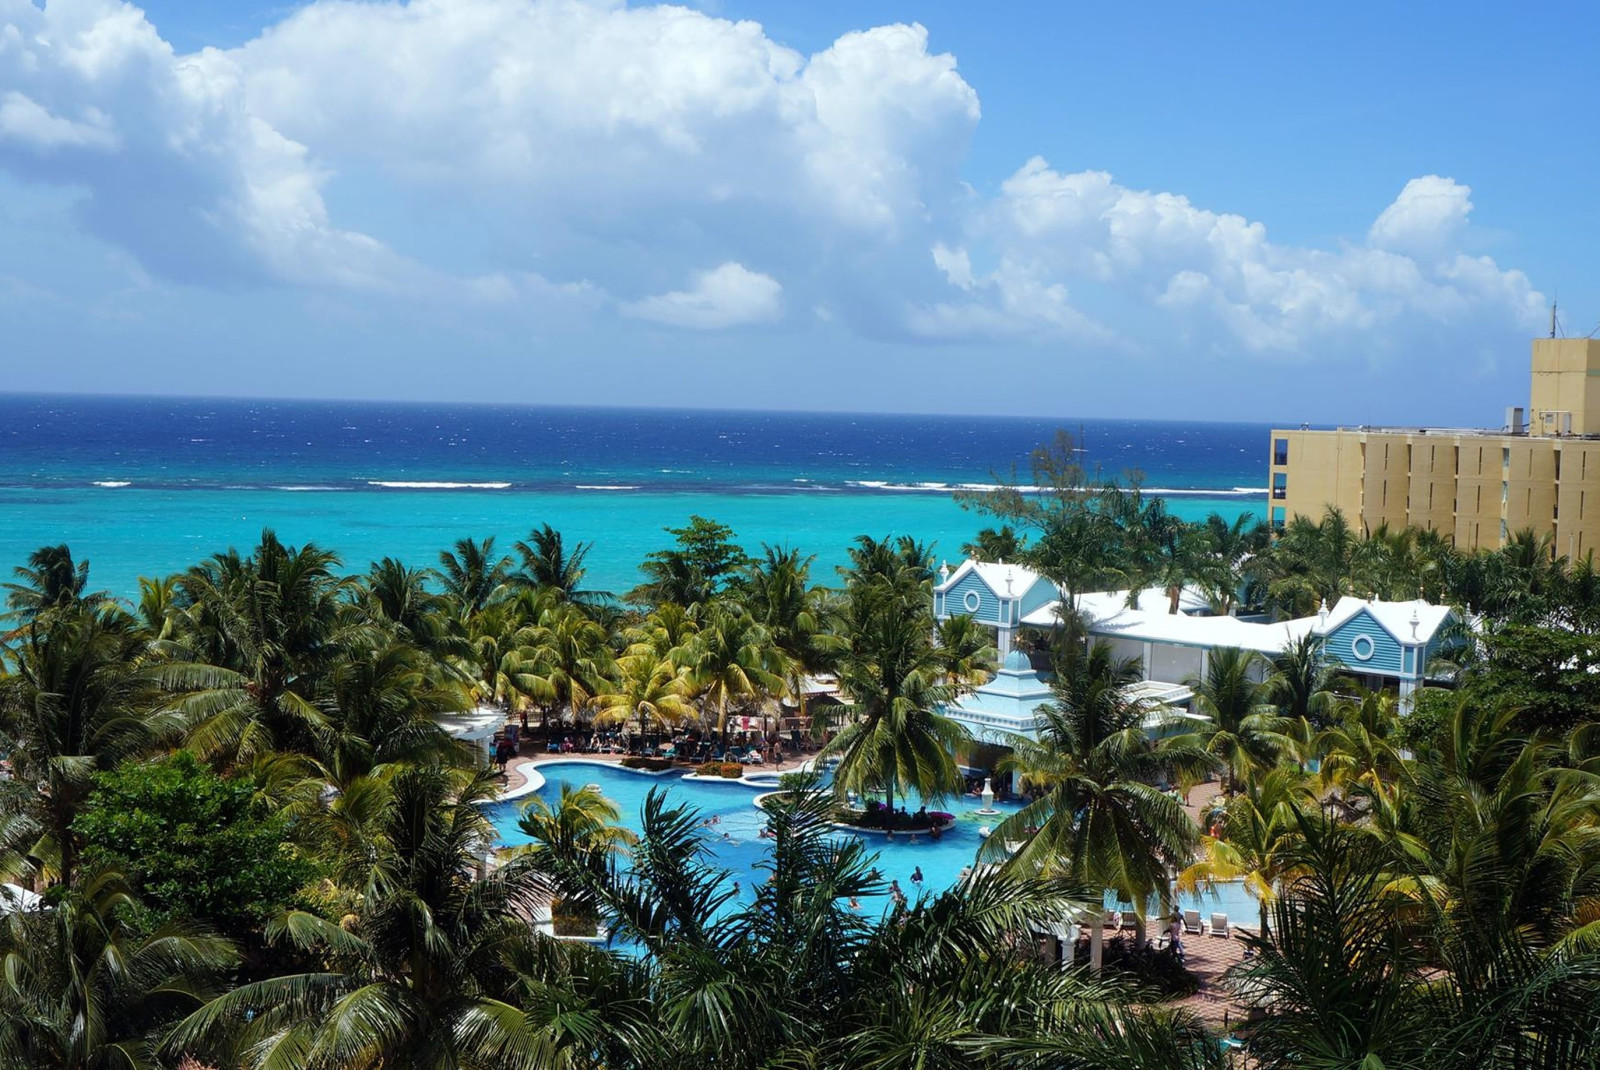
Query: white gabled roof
{"x": 1394, "y": 617}
{"x": 995, "y": 575}
{"x": 1209, "y": 632}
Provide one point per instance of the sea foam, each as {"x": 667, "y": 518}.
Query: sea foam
{"x": 407, "y": 484}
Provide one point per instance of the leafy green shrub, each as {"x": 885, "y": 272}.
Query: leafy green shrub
{"x": 708, "y": 769}
{"x": 654, "y": 765}
{"x": 196, "y": 844}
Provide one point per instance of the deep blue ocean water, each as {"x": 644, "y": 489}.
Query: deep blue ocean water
{"x": 148, "y": 486}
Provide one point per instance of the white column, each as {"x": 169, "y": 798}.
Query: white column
{"x": 1408, "y": 688}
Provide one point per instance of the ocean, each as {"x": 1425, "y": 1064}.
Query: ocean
{"x": 149, "y": 486}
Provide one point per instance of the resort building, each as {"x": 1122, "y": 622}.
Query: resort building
{"x": 1383, "y": 645}
{"x": 1478, "y": 487}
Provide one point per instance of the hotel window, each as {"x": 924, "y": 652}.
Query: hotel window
{"x": 1280, "y": 451}
{"x": 1277, "y": 516}
{"x": 1280, "y": 485}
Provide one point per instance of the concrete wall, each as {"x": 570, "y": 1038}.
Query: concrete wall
{"x": 1566, "y": 378}
{"x": 1477, "y": 488}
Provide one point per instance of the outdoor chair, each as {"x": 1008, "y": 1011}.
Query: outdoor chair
{"x": 1113, "y": 920}
{"x": 1130, "y": 920}
{"x": 1219, "y": 925}
{"x": 1192, "y": 925}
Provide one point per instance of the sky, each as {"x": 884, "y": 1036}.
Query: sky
{"x": 1276, "y": 212}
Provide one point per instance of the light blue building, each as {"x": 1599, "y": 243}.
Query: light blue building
{"x": 1006, "y": 704}
{"x": 1396, "y": 645}
{"x": 999, "y": 595}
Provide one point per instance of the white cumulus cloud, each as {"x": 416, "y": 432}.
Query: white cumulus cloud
{"x": 1425, "y": 218}
{"x": 1218, "y": 278}
{"x": 556, "y": 153}
{"x": 726, "y": 296}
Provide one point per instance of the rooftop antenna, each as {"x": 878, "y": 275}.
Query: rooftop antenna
{"x": 1553, "y": 303}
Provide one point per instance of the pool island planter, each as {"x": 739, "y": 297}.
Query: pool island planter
{"x": 943, "y": 826}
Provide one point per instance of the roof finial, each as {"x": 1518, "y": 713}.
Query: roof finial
{"x": 1415, "y": 621}
{"x": 1010, "y": 575}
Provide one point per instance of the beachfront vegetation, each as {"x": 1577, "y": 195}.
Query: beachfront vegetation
{"x": 258, "y": 847}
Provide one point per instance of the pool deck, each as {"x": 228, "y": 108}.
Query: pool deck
{"x": 1208, "y": 958}
{"x": 515, "y": 779}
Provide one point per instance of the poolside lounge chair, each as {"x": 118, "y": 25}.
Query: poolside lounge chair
{"x": 1219, "y": 925}
{"x": 1113, "y": 920}
{"x": 1192, "y": 925}
{"x": 1130, "y": 920}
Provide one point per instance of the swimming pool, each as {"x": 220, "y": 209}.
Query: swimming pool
{"x": 736, "y": 845}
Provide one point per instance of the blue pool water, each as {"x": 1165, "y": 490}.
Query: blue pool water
{"x": 736, "y": 844}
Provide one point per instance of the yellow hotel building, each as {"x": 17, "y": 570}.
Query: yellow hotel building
{"x": 1477, "y": 486}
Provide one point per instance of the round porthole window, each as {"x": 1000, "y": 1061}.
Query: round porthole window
{"x": 972, "y": 601}
{"x": 1361, "y": 646}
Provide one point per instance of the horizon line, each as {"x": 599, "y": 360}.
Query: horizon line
{"x": 580, "y": 407}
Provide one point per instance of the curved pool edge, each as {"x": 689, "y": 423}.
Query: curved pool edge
{"x": 534, "y": 780}
{"x": 766, "y": 780}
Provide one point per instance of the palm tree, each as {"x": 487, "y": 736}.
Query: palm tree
{"x": 563, "y": 660}
{"x": 581, "y": 825}
{"x": 902, "y": 566}
{"x": 398, "y": 596}
{"x": 967, "y": 650}
{"x": 996, "y": 545}
{"x": 84, "y": 987}
{"x": 472, "y": 575}
{"x": 1168, "y": 551}
{"x": 548, "y": 565}
{"x": 419, "y": 973}
{"x": 50, "y": 580}
{"x": 1230, "y": 556}
{"x": 796, "y": 615}
{"x": 1338, "y": 980}
{"x": 159, "y": 610}
{"x": 1259, "y": 837}
{"x": 1302, "y": 681}
{"x": 1361, "y": 750}
{"x": 382, "y": 707}
{"x": 77, "y": 703}
{"x": 898, "y": 737}
{"x": 1245, "y": 734}
{"x": 260, "y": 637}
{"x": 1097, "y": 817}
{"x": 645, "y": 689}
{"x": 731, "y": 659}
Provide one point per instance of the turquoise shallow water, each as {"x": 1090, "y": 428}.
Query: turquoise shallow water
{"x": 129, "y": 532}
{"x": 148, "y": 486}
{"x": 736, "y": 845}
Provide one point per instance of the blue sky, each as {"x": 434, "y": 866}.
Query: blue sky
{"x": 1276, "y": 212}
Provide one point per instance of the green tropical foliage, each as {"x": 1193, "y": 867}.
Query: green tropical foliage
{"x": 257, "y": 843}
